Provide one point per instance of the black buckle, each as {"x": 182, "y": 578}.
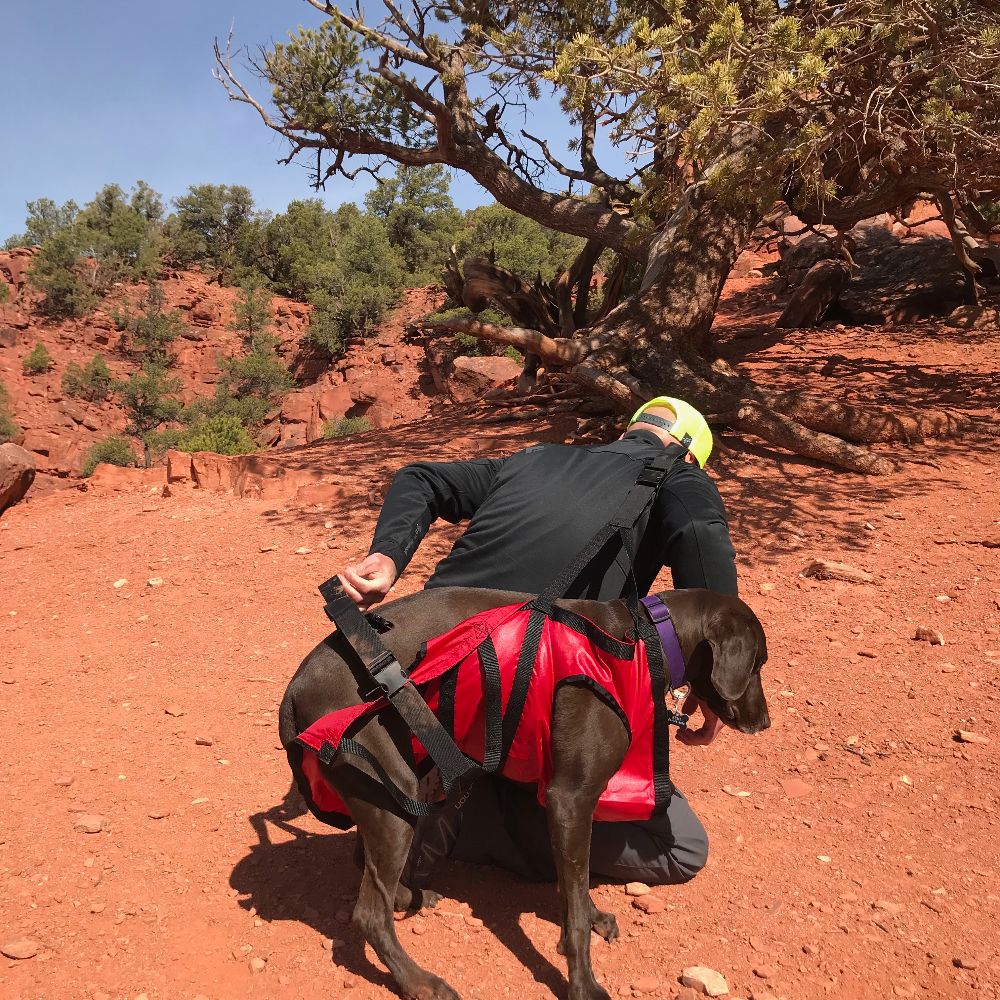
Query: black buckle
{"x": 388, "y": 675}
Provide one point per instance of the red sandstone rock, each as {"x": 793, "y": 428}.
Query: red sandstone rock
{"x": 179, "y": 468}
{"x": 17, "y": 473}
{"x": 471, "y": 378}
{"x": 113, "y": 477}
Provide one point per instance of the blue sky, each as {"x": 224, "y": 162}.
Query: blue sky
{"x": 115, "y": 90}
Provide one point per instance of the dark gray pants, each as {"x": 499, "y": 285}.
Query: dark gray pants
{"x": 503, "y": 824}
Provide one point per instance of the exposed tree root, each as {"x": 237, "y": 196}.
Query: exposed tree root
{"x": 629, "y": 356}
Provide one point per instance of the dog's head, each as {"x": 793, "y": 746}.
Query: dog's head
{"x": 724, "y": 666}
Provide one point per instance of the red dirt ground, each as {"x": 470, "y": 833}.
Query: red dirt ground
{"x": 861, "y": 864}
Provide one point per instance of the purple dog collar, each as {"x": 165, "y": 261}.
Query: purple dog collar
{"x": 660, "y": 615}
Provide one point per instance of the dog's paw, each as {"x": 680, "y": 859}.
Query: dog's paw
{"x": 605, "y": 924}
{"x": 429, "y": 899}
{"x": 435, "y": 988}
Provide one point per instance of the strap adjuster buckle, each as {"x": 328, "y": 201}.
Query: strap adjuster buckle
{"x": 388, "y": 674}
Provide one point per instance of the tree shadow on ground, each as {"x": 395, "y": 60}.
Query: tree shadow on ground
{"x": 314, "y": 880}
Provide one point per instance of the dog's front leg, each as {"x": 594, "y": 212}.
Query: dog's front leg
{"x": 588, "y": 745}
{"x": 569, "y": 827}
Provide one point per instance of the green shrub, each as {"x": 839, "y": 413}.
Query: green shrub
{"x": 222, "y": 433}
{"x": 9, "y": 431}
{"x": 60, "y": 274}
{"x": 152, "y": 330}
{"x": 92, "y": 382}
{"x": 4, "y": 292}
{"x": 344, "y": 426}
{"x": 261, "y": 373}
{"x": 114, "y": 450}
{"x": 38, "y": 362}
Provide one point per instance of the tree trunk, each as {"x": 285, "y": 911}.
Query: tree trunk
{"x": 659, "y": 342}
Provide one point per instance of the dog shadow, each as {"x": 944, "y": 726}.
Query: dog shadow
{"x": 313, "y": 879}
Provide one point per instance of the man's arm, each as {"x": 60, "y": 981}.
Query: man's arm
{"x": 690, "y": 521}
{"x": 419, "y": 495}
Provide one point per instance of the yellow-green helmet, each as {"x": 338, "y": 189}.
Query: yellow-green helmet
{"x": 689, "y": 426}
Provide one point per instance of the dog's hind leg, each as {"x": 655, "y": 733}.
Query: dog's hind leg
{"x": 387, "y": 839}
{"x": 588, "y": 746}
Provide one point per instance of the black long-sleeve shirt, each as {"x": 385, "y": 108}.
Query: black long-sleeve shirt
{"x": 531, "y": 513}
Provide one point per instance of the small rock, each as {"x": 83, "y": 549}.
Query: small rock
{"x": 202, "y": 741}
{"x": 22, "y": 948}
{"x": 118, "y": 584}
{"x": 970, "y": 964}
{"x": 795, "y": 788}
{"x": 174, "y": 711}
{"x": 825, "y": 858}
{"x": 649, "y": 904}
{"x": 686, "y": 993}
{"x": 931, "y": 635}
{"x": 90, "y": 823}
{"x": 964, "y": 736}
{"x": 825, "y": 569}
{"x": 155, "y": 581}
{"x": 705, "y": 980}
{"x": 868, "y": 654}
{"x": 63, "y": 782}
{"x": 735, "y": 792}
{"x": 765, "y": 972}
{"x": 906, "y": 779}
{"x": 765, "y": 588}
{"x": 474, "y": 922}
{"x": 158, "y": 813}
{"x": 636, "y": 889}
{"x": 269, "y": 548}
{"x": 646, "y": 985}
{"x": 886, "y": 906}
{"x": 418, "y": 927}
{"x": 303, "y": 550}
{"x": 257, "y": 964}
{"x": 948, "y": 668}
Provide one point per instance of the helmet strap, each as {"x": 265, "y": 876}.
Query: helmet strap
{"x": 652, "y": 418}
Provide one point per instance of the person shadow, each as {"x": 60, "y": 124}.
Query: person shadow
{"x": 314, "y": 879}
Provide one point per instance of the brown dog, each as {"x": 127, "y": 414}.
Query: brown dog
{"x": 724, "y": 648}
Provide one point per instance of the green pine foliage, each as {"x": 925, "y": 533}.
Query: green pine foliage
{"x": 9, "y": 431}
{"x": 516, "y": 243}
{"x": 345, "y": 426}
{"x": 113, "y": 450}
{"x": 60, "y": 272}
{"x": 152, "y": 329}
{"x": 222, "y": 433}
{"x": 149, "y": 398}
{"x": 252, "y": 317}
{"x": 45, "y": 218}
{"x": 420, "y": 218}
{"x": 38, "y": 361}
{"x": 92, "y": 382}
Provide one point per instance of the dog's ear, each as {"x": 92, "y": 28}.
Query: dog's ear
{"x": 734, "y": 653}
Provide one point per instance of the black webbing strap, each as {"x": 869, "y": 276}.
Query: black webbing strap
{"x": 391, "y": 682}
{"x": 489, "y": 668}
{"x": 639, "y": 497}
{"x": 346, "y": 745}
{"x": 522, "y": 678}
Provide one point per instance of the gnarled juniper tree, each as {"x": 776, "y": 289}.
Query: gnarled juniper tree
{"x": 840, "y": 111}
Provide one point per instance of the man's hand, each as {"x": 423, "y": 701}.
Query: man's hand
{"x": 709, "y": 728}
{"x": 367, "y": 582}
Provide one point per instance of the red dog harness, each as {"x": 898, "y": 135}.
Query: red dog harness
{"x": 468, "y": 678}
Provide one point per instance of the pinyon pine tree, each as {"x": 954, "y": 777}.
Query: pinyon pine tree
{"x": 837, "y": 111}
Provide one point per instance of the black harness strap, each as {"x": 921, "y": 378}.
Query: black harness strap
{"x": 392, "y": 683}
{"x": 489, "y": 667}
{"x": 638, "y": 499}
